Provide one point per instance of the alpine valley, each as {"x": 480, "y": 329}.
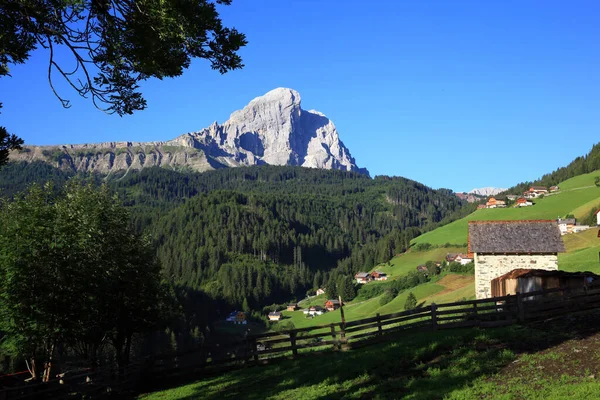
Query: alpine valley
{"x": 264, "y": 232}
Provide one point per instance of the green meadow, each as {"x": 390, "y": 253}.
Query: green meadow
{"x": 577, "y": 196}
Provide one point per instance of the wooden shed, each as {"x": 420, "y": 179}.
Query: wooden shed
{"x": 531, "y": 280}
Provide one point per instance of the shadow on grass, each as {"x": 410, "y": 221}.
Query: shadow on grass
{"x": 423, "y": 366}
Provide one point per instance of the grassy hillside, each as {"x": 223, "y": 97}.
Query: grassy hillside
{"x": 556, "y": 359}
{"x": 408, "y": 262}
{"x": 583, "y": 252}
{"x": 449, "y": 288}
{"x": 577, "y": 196}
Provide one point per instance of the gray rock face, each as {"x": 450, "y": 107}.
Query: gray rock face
{"x": 272, "y": 129}
{"x": 487, "y": 191}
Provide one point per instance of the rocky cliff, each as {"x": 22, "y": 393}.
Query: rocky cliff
{"x": 272, "y": 129}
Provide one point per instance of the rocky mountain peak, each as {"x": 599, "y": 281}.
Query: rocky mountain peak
{"x": 272, "y": 129}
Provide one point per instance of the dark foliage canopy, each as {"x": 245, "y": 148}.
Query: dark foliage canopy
{"x": 115, "y": 44}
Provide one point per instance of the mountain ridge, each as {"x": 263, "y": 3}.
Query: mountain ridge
{"x": 272, "y": 129}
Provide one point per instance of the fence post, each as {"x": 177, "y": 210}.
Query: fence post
{"x": 434, "y": 325}
{"x": 333, "y": 336}
{"x": 293, "y": 342}
{"x": 379, "y": 328}
{"x": 520, "y": 308}
{"x": 343, "y": 324}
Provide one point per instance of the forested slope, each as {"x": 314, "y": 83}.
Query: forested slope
{"x": 248, "y": 237}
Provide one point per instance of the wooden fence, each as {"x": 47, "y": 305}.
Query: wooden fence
{"x": 268, "y": 347}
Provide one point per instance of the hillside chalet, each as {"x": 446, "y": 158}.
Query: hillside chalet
{"x": 292, "y": 307}
{"x": 531, "y": 280}
{"x": 422, "y": 268}
{"x": 275, "y": 316}
{"x": 554, "y": 189}
{"x": 499, "y": 247}
{"x": 379, "y": 276}
{"x": 523, "y": 202}
{"x": 320, "y": 291}
{"x": 536, "y": 191}
{"x": 494, "y": 202}
{"x": 566, "y": 225}
{"x": 363, "y": 277}
{"x": 314, "y": 310}
{"x": 463, "y": 259}
{"x": 332, "y": 305}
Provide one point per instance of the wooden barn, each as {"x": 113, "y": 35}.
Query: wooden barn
{"x": 531, "y": 280}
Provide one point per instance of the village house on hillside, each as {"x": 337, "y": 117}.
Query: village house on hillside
{"x": 292, "y": 307}
{"x": 494, "y": 202}
{"x": 499, "y": 247}
{"x": 379, "y": 276}
{"x": 314, "y": 310}
{"x": 275, "y": 316}
{"x": 363, "y": 277}
{"x": 422, "y": 268}
{"x": 554, "y": 188}
{"x": 320, "y": 291}
{"x": 463, "y": 259}
{"x": 535, "y": 191}
{"x": 523, "y": 202}
{"x": 566, "y": 225}
{"x": 332, "y": 305}
{"x": 569, "y": 225}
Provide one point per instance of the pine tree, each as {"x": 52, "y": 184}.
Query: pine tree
{"x": 411, "y": 302}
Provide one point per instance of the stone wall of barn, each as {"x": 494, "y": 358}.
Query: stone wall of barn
{"x": 489, "y": 266}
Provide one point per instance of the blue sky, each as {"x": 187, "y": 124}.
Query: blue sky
{"x": 456, "y": 94}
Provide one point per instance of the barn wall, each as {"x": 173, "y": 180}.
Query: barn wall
{"x": 488, "y": 267}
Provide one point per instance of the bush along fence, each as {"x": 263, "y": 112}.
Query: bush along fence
{"x": 344, "y": 335}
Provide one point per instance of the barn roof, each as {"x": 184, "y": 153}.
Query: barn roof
{"x": 537, "y": 236}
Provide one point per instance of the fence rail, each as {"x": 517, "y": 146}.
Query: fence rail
{"x": 271, "y": 346}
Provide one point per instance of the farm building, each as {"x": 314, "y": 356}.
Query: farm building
{"x": 320, "y": 291}
{"x": 450, "y": 257}
{"x": 292, "y": 307}
{"x": 363, "y": 277}
{"x": 314, "y": 310}
{"x": 332, "y": 305}
{"x": 499, "y": 247}
{"x": 523, "y": 202}
{"x": 598, "y": 217}
{"x": 531, "y": 280}
{"x": 536, "y": 191}
{"x": 463, "y": 259}
{"x": 379, "y": 276}
{"x": 494, "y": 202}
{"x": 566, "y": 225}
{"x": 554, "y": 188}
{"x": 275, "y": 316}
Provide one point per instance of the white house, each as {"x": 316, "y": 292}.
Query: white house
{"x": 566, "y": 225}
{"x": 320, "y": 291}
{"x": 363, "y": 277}
{"x": 463, "y": 259}
{"x": 275, "y": 316}
{"x": 598, "y": 217}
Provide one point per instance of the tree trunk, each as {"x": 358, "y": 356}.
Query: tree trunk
{"x": 48, "y": 363}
